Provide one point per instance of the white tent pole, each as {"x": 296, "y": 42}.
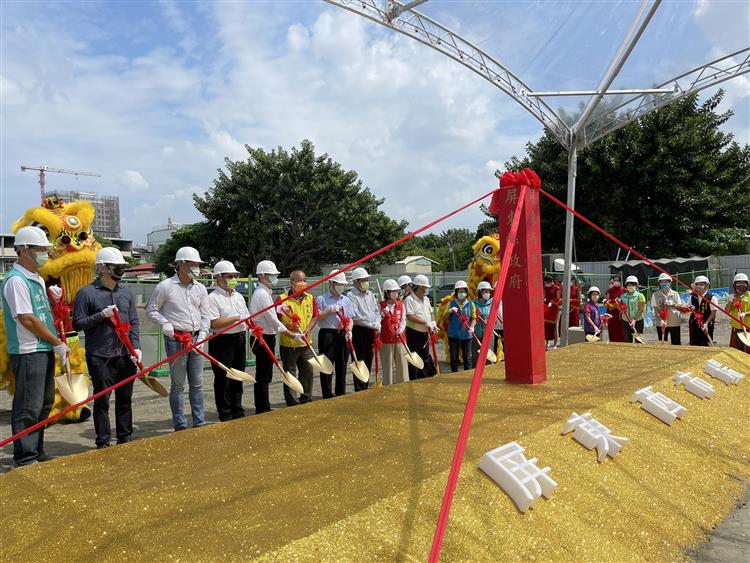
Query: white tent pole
{"x": 571, "y": 202}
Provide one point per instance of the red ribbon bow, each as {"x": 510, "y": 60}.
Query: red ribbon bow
{"x": 183, "y": 337}
{"x": 525, "y": 177}
{"x": 60, "y": 310}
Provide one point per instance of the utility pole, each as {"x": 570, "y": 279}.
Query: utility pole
{"x": 44, "y": 169}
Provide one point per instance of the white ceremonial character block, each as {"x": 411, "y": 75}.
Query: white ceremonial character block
{"x": 519, "y": 477}
{"x": 593, "y": 434}
{"x": 661, "y": 406}
{"x": 694, "y": 385}
{"x": 722, "y": 372}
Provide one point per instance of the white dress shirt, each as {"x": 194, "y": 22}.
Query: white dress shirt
{"x": 268, "y": 321}
{"x": 222, "y": 304}
{"x": 185, "y": 307}
{"x": 422, "y": 309}
{"x": 366, "y": 309}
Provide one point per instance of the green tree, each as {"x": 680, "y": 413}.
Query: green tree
{"x": 294, "y": 207}
{"x": 670, "y": 184}
{"x": 448, "y": 248}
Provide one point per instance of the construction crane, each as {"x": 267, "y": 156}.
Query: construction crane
{"x": 44, "y": 169}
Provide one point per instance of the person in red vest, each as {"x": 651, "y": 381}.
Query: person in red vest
{"x": 392, "y": 327}
{"x": 615, "y": 291}
{"x": 574, "y": 318}
{"x": 552, "y": 305}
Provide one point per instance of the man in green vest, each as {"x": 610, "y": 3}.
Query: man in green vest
{"x": 32, "y": 344}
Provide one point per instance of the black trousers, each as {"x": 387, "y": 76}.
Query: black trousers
{"x": 295, "y": 362}
{"x": 229, "y": 349}
{"x": 417, "y": 342}
{"x": 697, "y": 336}
{"x": 32, "y": 401}
{"x": 263, "y": 373}
{"x": 105, "y": 372}
{"x": 363, "y": 339}
{"x": 332, "y": 344}
{"x": 464, "y": 346}
{"x": 475, "y": 348}
{"x": 672, "y": 331}
{"x": 629, "y": 332}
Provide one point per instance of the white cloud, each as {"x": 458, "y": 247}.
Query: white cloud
{"x": 134, "y": 181}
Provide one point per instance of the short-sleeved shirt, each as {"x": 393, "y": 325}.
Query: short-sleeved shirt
{"x": 422, "y": 309}
{"x": 633, "y": 301}
{"x": 659, "y": 301}
{"x": 222, "y": 305}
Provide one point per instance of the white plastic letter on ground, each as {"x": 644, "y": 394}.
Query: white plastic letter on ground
{"x": 519, "y": 477}
{"x": 593, "y": 434}
{"x": 722, "y": 372}
{"x": 694, "y": 385}
{"x": 661, "y": 406}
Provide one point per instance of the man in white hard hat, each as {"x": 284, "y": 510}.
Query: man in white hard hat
{"x": 225, "y": 307}
{"x": 705, "y": 308}
{"x": 298, "y": 313}
{"x": 332, "y": 336}
{"x": 404, "y": 282}
{"x": 179, "y": 305}
{"x": 392, "y": 327}
{"x": 108, "y": 360}
{"x": 420, "y": 321}
{"x": 739, "y": 308}
{"x": 32, "y": 344}
{"x": 366, "y": 320}
{"x": 635, "y": 302}
{"x": 262, "y": 300}
{"x": 664, "y": 303}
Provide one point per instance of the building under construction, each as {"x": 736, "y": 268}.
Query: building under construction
{"x": 107, "y": 219}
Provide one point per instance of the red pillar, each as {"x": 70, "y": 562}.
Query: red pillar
{"x": 523, "y": 315}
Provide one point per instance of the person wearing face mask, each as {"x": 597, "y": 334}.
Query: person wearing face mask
{"x": 705, "y": 306}
{"x": 179, "y": 305}
{"x": 225, "y": 307}
{"x": 262, "y": 300}
{"x": 405, "y": 285}
{"x": 366, "y": 320}
{"x": 108, "y": 360}
{"x": 32, "y": 344}
{"x": 664, "y": 303}
{"x": 483, "y": 304}
{"x": 592, "y": 319}
{"x": 295, "y": 353}
{"x": 332, "y": 336}
{"x": 636, "y": 306}
{"x": 552, "y": 309}
{"x": 739, "y": 308}
{"x": 420, "y": 322}
{"x": 611, "y": 301}
{"x": 392, "y": 327}
{"x": 459, "y": 335}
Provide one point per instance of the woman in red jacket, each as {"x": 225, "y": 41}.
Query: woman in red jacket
{"x": 615, "y": 291}
{"x": 392, "y": 326}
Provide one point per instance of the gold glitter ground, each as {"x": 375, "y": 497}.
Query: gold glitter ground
{"x": 361, "y": 477}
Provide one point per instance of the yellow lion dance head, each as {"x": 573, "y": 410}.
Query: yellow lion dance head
{"x": 73, "y": 253}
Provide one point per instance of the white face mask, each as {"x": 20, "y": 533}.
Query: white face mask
{"x": 461, "y": 295}
{"x": 273, "y": 280}
{"x": 41, "y": 258}
{"x": 194, "y": 272}
{"x": 486, "y": 295}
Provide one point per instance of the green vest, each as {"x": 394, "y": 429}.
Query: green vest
{"x": 42, "y": 311}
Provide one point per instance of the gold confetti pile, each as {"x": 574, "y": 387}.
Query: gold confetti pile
{"x": 361, "y": 477}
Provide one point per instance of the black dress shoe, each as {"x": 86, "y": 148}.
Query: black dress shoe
{"x": 45, "y": 457}
{"x": 102, "y": 446}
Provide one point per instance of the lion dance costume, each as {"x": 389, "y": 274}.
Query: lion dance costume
{"x": 71, "y": 266}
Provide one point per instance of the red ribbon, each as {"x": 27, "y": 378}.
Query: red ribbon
{"x": 60, "y": 310}
{"x": 122, "y": 331}
{"x": 183, "y": 337}
{"x": 525, "y": 177}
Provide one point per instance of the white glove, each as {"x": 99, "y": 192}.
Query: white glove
{"x": 109, "y": 311}
{"x": 742, "y": 315}
{"x": 454, "y": 310}
{"x": 138, "y": 356}
{"x": 168, "y": 330}
{"x": 62, "y": 351}
{"x": 399, "y": 331}
{"x": 335, "y": 308}
{"x": 348, "y": 335}
{"x": 433, "y": 326}
{"x": 471, "y": 330}
{"x": 56, "y": 293}
{"x": 299, "y": 337}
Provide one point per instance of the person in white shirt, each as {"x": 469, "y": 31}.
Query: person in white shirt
{"x": 366, "y": 321}
{"x": 32, "y": 343}
{"x": 226, "y": 307}
{"x": 262, "y": 300}
{"x": 180, "y": 306}
{"x": 420, "y": 321}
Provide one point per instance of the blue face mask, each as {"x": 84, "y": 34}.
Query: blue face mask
{"x": 664, "y": 285}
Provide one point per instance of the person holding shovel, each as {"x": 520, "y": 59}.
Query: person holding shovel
{"x": 483, "y": 304}
{"x": 665, "y": 302}
{"x": 701, "y": 321}
{"x": 739, "y": 308}
{"x": 420, "y": 322}
{"x": 366, "y": 321}
{"x": 635, "y": 306}
{"x": 392, "y": 327}
{"x": 226, "y": 307}
{"x": 461, "y": 317}
{"x": 299, "y": 313}
{"x": 108, "y": 360}
{"x": 332, "y": 336}
{"x": 592, "y": 318}
{"x": 32, "y": 344}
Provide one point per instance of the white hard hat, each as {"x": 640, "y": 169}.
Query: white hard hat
{"x": 31, "y": 236}
{"x": 483, "y": 285}
{"x": 665, "y": 277}
{"x": 187, "y": 254}
{"x": 225, "y": 267}
{"x": 421, "y": 280}
{"x": 390, "y": 285}
{"x": 701, "y": 279}
{"x": 110, "y": 255}
{"x": 359, "y": 274}
{"x": 631, "y": 279}
{"x": 592, "y": 289}
{"x": 460, "y": 284}
{"x": 739, "y": 277}
{"x": 266, "y": 267}
{"x": 403, "y": 280}
{"x": 338, "y": 278}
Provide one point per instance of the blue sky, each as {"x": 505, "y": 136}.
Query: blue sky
{"x": 154, "y": 95}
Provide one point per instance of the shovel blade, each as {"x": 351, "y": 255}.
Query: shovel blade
{"x": 321, "y": 363}
{"x": 73, "y": 388}
{"x": 291, "y": 382}
{"x": 239, "y": 375}
{"x": 360, "y": 371}
{"x": 638, "y": 338}
{"x": 592, "y": 338}
{"x": 744, "y": 337}
{"x": 492, "y": 357}
{"x": 153, "y": 384}
{"x": 414, "y": 359}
